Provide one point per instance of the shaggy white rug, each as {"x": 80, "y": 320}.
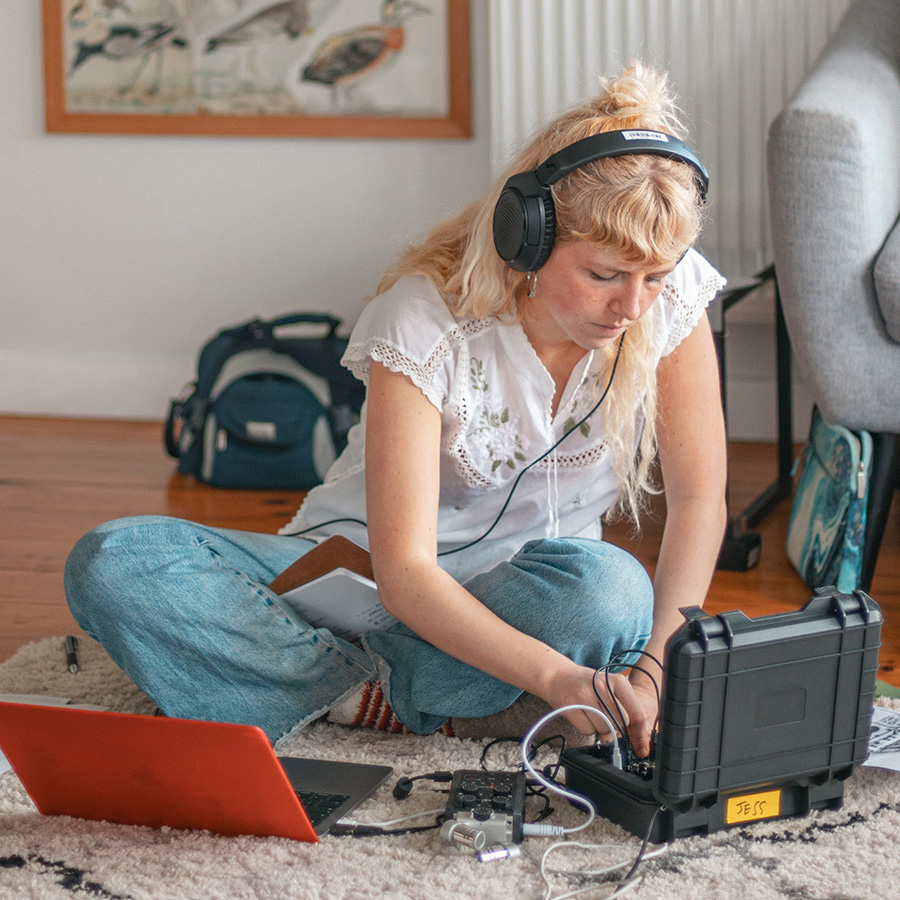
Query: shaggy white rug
{"x": 848, "y": 854}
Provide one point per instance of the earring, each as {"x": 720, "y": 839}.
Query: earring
{"x": 531, "y": 281}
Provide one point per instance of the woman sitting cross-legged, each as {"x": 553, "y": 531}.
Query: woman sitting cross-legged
{"x": 526, "y": 365}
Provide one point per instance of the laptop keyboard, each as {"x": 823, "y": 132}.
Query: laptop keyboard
{"x": 319, "y": 805}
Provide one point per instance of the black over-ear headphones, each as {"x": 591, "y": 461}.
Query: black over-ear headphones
{"x": 525, "y": 218}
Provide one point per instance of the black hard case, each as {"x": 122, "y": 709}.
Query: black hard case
{"x": 778, "y": 703}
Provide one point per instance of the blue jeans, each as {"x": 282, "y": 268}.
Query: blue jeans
{"x": 185, "y": 611}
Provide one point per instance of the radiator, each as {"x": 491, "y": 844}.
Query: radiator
{"x": 733, "y": 64}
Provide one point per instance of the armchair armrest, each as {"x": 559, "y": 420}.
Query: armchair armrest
{"x": 834, "y": 193}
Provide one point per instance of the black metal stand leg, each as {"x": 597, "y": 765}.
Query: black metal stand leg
{"x": 742, "y": 546}
{"x": 882, "y": 483}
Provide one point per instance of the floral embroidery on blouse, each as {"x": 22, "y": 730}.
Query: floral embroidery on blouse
{"x": 495, "y": 435}
{"x": 583, "y": 401}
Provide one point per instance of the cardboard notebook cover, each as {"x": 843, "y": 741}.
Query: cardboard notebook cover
{"x": 333, "y": 553}
{"x": 332, "y": 586}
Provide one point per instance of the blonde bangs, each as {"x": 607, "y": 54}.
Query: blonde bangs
{"x": 644, "y": 208}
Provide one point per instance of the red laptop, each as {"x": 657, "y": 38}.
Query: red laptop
{"x": 154, "y": 771}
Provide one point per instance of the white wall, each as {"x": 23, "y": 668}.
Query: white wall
{"x": 119, "y": 255}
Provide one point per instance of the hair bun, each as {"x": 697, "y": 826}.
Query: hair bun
{"x": 640, "y": 96}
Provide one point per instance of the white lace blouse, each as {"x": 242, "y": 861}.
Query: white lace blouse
{"x": 494, "y": 396}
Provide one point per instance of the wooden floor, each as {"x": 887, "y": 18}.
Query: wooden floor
{"x": 59, "y": 478}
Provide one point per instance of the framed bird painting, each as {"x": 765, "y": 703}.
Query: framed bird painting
{"x": 327, "y": 68}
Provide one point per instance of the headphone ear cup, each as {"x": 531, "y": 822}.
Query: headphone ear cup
{"x": 524, "y": 228}
{"x": 548, "y": 234}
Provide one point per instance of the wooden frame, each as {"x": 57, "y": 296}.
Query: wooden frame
{"x": 138, "y": 109}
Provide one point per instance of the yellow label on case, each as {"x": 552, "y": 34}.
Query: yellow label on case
{"x": 750, "y": 807}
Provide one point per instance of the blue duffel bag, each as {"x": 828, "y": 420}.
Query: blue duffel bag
{"x": 269, "y": 408}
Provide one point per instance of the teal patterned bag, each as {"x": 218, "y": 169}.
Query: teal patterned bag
{"x": 828, "y": 519}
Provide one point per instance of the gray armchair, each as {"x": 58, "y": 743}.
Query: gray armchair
{"x": 834, "y": 194}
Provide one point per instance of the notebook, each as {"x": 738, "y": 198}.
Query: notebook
{"x": 155, "y": 771}
{"x": 332, "y": 586}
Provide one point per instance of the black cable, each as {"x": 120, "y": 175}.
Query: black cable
{"x": 322, "y": 525}
{"x": 640, "y": 856}
{"x": 639, "y": 652}
{"x": 618, "y": 661}
{"x": 620, "y": 720}
{"x": 338, "y": 830}
{"x": 551, "y": 771}
{"x": 619, "y": 723}
{"x": 653, "y": 681}
{"x": 533, "y": 788}
{"x": 621, "y": 711}
{"x": 634, "y": 667}
{"x": 482, "y": 762}
{"x": 532, "y": 750}
{"x": 637, "y": 668}
{"x": 402, "y": 790}
{"x": 403, "y": 787}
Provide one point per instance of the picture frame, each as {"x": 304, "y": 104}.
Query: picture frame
{"x": 269, "y": 68}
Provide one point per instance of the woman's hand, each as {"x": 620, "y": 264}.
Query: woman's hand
{"x": 574, "y": 684}
{"x": 647, "y": 695}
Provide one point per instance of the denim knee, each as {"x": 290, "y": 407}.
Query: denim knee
{"x": 105, "y": 557}
{"x": 580, "y": 596}
{"x": 591, "y": 572}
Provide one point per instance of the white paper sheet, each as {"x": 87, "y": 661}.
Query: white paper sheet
{"x": 884, "y": 740}
{"x": 345, "y": 603}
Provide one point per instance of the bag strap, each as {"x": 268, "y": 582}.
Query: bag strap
{"x": 256, "y": 333}
{"x": 169, "y": 431}
{"x": 176, "y": 410}
{"x": 303, "y": 318}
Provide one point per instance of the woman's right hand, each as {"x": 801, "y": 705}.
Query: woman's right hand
{"x": 575, "y": 685}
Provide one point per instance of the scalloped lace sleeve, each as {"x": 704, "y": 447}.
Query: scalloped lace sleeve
{"x": 410, "y": 330}
{"x": 687, "y": 293}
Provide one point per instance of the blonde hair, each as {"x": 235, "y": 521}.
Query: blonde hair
{"x": 643, "y": 207}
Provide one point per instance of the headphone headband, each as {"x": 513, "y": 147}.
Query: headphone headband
{"x": 525, "y": 217}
